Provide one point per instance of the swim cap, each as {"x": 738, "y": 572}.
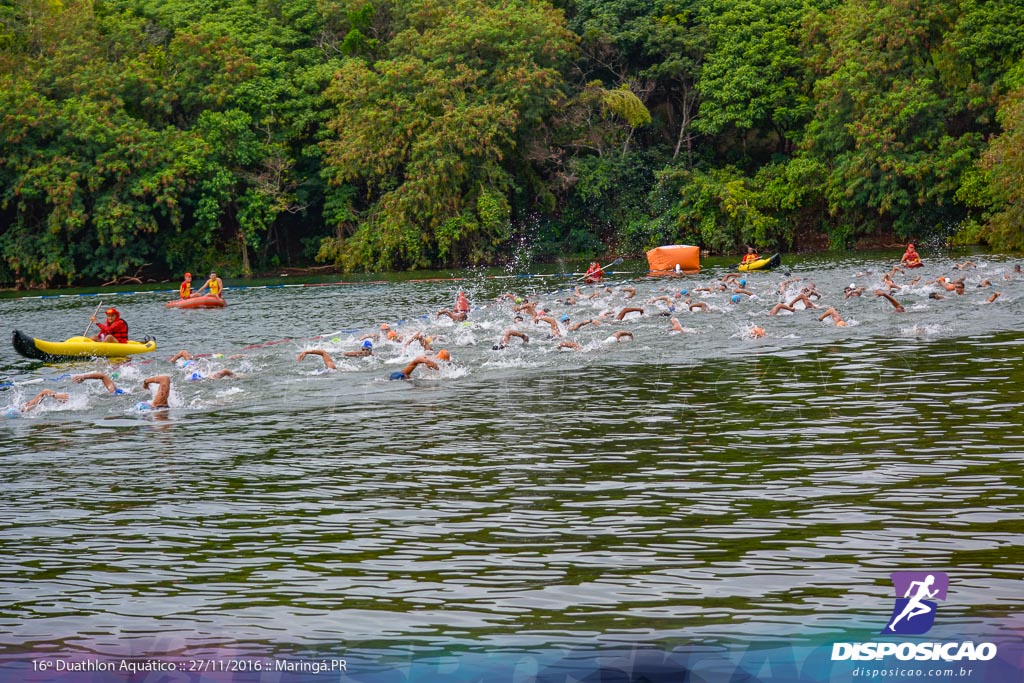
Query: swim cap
{"x": 735, "y": 298}
{"x": 742, "y": 283}
{"x": 385, "y": 326}
{"x": 143, "y": 406}
{"x": 195, "y": 376}
{"x": 444, "y": 355}
{"x": 564, "y": 318}
{"x": 392, "y": 335}
{"x": 684, "y": 292}
{"x": 113, "y": 311}
{"x": 119, "y": 391}
{"x": 397, "y": 375}
{"x": 367, "y": 344}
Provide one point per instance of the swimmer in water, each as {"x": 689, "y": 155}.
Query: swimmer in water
{"x": 888, "y": 297}
{"x": 834, "y": 314}
{"x": 431, "y": 363}
{"x": 366, "y": 350}
{"x": 107, "y": 382}
{"x": 507, "y": 337}
{"x": 629, "y": 309}
{"x": 163, "y": 392}
{"x": 38, "y": 398}
{"x": 619, "y": 336}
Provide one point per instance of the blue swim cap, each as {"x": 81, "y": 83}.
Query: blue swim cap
{"x": 735, "y": 298}
{"x": 194, "y": 376}
{"x": 118, "y": 391}
{"x": 367, "y": 344}
{"x": 564, "y": 318}
{"x": 742, "y": 282}
{"x": 12, "y": 412}
{"x": 684, "y": 292}
{"x": 397, "y": 375}
{"x": 143, "y": 406}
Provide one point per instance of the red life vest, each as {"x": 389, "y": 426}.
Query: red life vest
{"x": 118, "y": 329}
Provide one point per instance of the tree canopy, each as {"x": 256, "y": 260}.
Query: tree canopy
{"x": 164, "y": 135}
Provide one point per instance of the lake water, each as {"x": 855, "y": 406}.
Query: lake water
{"x": 708, "y": 491}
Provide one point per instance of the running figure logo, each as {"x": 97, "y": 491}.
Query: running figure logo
{"x": 914, "y": 612}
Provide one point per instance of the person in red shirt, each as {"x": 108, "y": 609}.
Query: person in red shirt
{"x": 185, "y": 290}
{"x": 594, "y": 273}
{"x": 115, "y": 330}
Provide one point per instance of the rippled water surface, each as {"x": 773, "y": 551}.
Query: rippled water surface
{"x": 709, "y": 485}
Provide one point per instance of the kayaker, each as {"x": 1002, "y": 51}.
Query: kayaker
{"x": 115, "y": 331}
{"x": 594, "y": 273}
{"x": 751, "y": 255}
{"x": 910, "y": 258}
{"x": 431, "y": 363}
{"x": 215, "y": 286}
{"x": 185, "y": 290}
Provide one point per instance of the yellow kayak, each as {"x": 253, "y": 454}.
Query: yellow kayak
{"x": 76, "y": 348}
{"x": 761, "y": 263}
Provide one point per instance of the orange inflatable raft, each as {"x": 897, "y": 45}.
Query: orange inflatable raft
{"x": 208, "y": 301}
{"x": 675, "y": 258}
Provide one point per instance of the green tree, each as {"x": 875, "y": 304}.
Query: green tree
{"x": 428, "y": 134}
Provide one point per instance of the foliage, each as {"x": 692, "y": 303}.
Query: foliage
{"x": 161, "y": 135}
{"x": 426, "y": 134}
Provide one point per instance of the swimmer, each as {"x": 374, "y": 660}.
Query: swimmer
{"x": 431, "y": 363}
{"x": 457, "y": 316}
{"x": 993, "y": 297}
{"x": 619, "y": 336}
{"x": 755, "y": 332}
{"x": 834, "y": 314}
{"x": 852, "y": 291}
{"x": 328, "y": 361}
{"x": 365, "y": 349}
{"x": 163, "y": 391}
{"x": 424, "y": 341}
{"x": 555, "y": 331}
{"x": 38, "y": 398}
{"x": 895, "y": 304}
{"x": 699, "y": 305}
{"x": 507, "y": 337}
{"x": 629, "y": 309}
{"x": 180, "y": 355}
{"x": 107, "y": 382}
{"x": 803, "y": 297}
{"x": 575, "y": 326}
{"x": 220, "y": 374}
{"x": 569, "y": 344}
{"x": 676, "y": 326}
{"x": 741, "y": 290}
{"x": 781, "y": 307}
{"x": 630, "y": 291}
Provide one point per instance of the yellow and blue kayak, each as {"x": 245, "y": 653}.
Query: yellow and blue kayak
{"x": 766, "y": 263}
{"x": 76, "y": 348}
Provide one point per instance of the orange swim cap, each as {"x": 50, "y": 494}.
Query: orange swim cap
{"x": 444, "y": 355}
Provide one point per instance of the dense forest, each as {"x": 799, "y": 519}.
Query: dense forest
{"x": 155, "y": 136}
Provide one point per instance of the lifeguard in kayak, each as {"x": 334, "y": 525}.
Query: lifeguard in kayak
{"x": 594, "y": 273}
{"x": 114, "y": 331}
{"x": 750, "y": 256}
{"x": 910, "y": 258}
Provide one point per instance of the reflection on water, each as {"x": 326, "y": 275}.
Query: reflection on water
{"x": 701, "y": 485}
